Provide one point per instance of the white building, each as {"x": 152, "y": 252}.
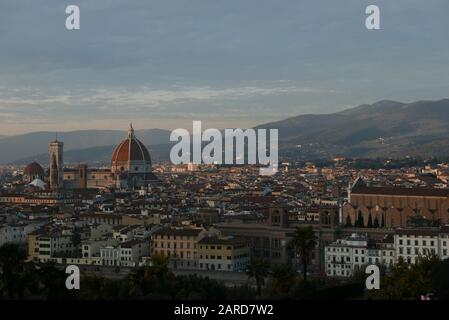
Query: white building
{"x": 16, "y": 233}
{"x": 127, "y": 254}
{"x": 411, "y": 243}
{"x": 132, "y": 252}
{"x": 91, "y": 248}
{"x": 110, "y": 255}
{"x": 345, "y": 256}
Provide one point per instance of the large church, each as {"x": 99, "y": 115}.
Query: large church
{"x": 130, "y": 168}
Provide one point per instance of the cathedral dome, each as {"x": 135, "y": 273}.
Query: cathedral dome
{"x": 131, "y": 155}
{"x": 33, "y": 169}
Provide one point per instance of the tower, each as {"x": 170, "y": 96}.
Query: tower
{"x": 82, "y": 171}
{"x": 56, "y": 165}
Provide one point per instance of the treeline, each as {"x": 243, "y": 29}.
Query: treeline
{"x": 28, "y": 280}
{"x": 377, "y": 163}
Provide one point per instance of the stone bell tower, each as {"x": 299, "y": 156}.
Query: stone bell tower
{"x": 56, "y": 165}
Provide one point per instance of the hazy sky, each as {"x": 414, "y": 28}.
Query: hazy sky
{"x": 164, "y": 63}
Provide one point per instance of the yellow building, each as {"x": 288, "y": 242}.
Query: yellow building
{"x": 179, "y": 244}
{"x": 33, "y": 245}
{"x": 223, "y": 254}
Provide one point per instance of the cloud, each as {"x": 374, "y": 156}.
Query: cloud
{"x": 137, "y": 97}
{"x": 256, "y": 60}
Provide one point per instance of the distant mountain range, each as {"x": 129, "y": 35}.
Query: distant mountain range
{"x": 85, "y": 146}
{"x": 383, "y": 129}
{"x": 96, "y": 156}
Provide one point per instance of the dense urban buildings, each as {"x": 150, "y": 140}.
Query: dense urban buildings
{"x": 217, "y": 219}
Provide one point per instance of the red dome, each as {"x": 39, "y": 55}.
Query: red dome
{"x": 130, "y": 149}
{"x": 33, "y": 169}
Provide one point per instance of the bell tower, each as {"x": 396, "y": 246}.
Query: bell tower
{"x": 56, "y": 165}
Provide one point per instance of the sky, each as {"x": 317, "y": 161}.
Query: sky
{"x": 228, "y": 63}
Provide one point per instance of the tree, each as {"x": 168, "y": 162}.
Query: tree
{"x": 370, "y": 221}
{"x": 376, "y": 222}
{"x": 283, "y": 277}
{"x": 52, "y": 282}
{"x": 360, "y": 222}
{"x": 303, "y": 243}
{"x": 13, "y": 271}
{"x": 440, "y": 281}
{"x": 258, "y": 269}
{"x": 159, "y": 263}
{"x": 76, "y": 241}
{"x": 348, "y": 222}
{"x": 407, "y": 282}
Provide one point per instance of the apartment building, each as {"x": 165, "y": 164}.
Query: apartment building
{"x": 345, "y": 256}
{"x": 223, "y": 253}
{"x": 44, "y": 245}
{"x": 110, "y": 256}
{"x": 126, "y": 233}
{"x": 412, "y": 243}
{"x": 16, "y": 233}
{"x": 91, "y": 248}
{"x": 179, "y": 244}
{"x": 132, "y": 252}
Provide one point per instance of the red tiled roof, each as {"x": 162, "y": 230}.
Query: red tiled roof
{"x": 401, "y": 191}
{"x": 33, "y": 168}
{"x": 130, "y": 149}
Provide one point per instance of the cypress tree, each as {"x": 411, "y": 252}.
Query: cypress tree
{"x": 376, "y": 222}
{"x": 370, "y": 221}
{"x": 348, "y": 222}
{"x": 360, "y": 222}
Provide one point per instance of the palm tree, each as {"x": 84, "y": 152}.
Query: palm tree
{"x": 303, "y": 243}
{"x": 258, "y": 269}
